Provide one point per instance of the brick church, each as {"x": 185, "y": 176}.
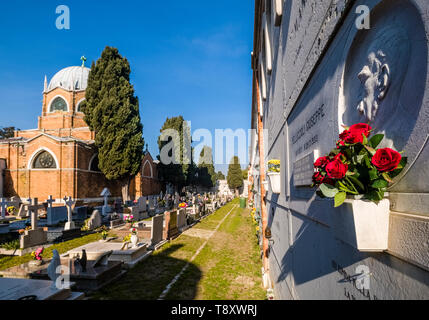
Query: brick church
{"x": 59, "y": 158}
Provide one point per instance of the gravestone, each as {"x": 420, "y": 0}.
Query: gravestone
{"x": 80, "y": 213}
{"x": 35, "y": 236}
{"x": 55, "y": 214}
{"x": 170, "y": 228}
{"x": 157, "y": 229}
{"x": 106, "y": 208}
{"x": 152, "y": 203}
{"x": 181, "y": 219}
{"x": 142, "y": 204}
{"x": 69, "y": 203}
{"x": 94, "y": 221}
{"x": 3, "y": 205}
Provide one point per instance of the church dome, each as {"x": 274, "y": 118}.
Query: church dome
{"x": 71, "y": 78}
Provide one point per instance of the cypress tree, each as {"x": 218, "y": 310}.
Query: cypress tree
{"x": 206, "y": 170}
{"x": 235, "y": 175}
{"x": 175, "y": 172}
{"x": 112, "y": 111}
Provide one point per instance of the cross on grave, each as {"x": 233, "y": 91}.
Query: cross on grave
{"x": 105, "y": 194}
{"x": 3, "y": 204}
{"x": 50, "y": 201}
{"x": 34, "y": 209}
{"x": 69, "y": 203}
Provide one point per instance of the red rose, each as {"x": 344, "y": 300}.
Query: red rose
{"x": 321, "y": 162}
{"x": 328, "y": 181}
{"x": 318, "y": 178}
{"x": 344, "y": 134}
{"x": 354, "y": 137}
{"x": 336, "y": 169}
{"x": 386, "y": 159}
{"x": 361, "y": 128}
{"x": 354, "y": 134}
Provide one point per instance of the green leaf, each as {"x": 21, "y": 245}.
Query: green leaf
{"x": 367, "y": 162}
{"x": 339, "y": 198}
{"x": 360, "y": 158}
{"x": 380, "y": 183}
{"x": 373, "y": 174}
{"x": 364, "y": 140}
{"x": 374, "y": 195}
{"x": 357, "y": 182}
{"x": 387, "y": 177}
{"x": 375, "y": 140}
{"x": 370, "y": 150}
{"x": 328, "y": 190}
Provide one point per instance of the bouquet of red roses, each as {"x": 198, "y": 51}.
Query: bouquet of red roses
{"x": 357, "y": 167}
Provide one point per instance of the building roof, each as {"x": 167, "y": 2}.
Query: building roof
{"x": 71, "y": 78}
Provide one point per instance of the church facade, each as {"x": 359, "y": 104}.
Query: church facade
{"x": 59, "y": 158}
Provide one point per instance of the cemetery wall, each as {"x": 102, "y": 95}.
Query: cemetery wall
{"x": 2, "y": 176}
{"x": 314, "y": 60}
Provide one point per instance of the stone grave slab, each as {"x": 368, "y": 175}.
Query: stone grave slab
{"x": 94, "y": 278}
{"x": 129, "y": 256}
{"x": 14, "y": 289}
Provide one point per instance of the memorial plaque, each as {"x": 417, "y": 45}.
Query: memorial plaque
{"x": 303, "y": 170}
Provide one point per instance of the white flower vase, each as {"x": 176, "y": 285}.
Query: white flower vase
{"x": 134, "y": 240}
{"x": 275, "y": 182}
{"x": 363, "y": 224}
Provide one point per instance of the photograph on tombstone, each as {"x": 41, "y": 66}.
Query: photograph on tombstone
{"x": 238, "y": 151}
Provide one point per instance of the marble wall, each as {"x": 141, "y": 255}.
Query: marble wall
{"x": 320, "y": 71}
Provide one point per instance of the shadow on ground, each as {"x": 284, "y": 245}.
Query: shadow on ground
{"x": 148, "y": 279}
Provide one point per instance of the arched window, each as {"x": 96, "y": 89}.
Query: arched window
{"x": 147, "y": 169}
{"x": 80, "y": 104}
{"x": 93, "y": 166}
{"x": 44, "y": 160}
{"x": 58, "y": 104}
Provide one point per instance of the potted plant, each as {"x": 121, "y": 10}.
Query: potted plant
{"x": 37, "y": 257}
{"x": 129, "y": 219}
{"x": 356, "y": 174}
{"x": 274, "y": 175}
{"x": 104, "y": 233}
{"x": 134, "y": 239}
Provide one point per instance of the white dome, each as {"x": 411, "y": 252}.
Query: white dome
{"x": 71, "y": 78}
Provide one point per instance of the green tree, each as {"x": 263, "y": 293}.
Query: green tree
{"x": 175, "y": 152}
{"x": 220, "y": 176}
{"x": 112, "y": 111}
{"x": 245, "y": 174}
{"x": 7, "y": 132}
{"x": 206, "y": 170}
{"x": 235, "y": 175}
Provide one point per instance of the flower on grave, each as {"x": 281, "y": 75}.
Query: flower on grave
{"x": 386, "y": 159}
{"x": 183, "y": 205}
{"x": 104, "y": 233}
{"x": 357, "y": 167}
{"x": 37, "y": 255}
{"x": 127, "y": 238}
{"x": 10, "y": 210}
{"x": 129, "y": 218}
{"x": 134, "y": 231}
{"x": 274, "y": 165}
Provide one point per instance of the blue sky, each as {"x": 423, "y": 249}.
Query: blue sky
{"x": 189, "y": 58}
